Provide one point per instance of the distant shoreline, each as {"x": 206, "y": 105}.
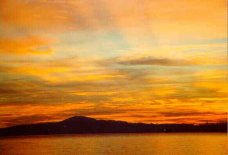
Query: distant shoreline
{"x": 110, "y": 134}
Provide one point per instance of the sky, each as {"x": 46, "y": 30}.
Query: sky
{"x": 138, "y": 61}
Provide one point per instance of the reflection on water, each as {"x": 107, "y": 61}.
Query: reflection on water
{"x": 117, "y": 144}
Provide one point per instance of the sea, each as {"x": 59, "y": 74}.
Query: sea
{"x": 117, "y": 144}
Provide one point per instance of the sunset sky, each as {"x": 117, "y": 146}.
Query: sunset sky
{"x": 152, "y": 61}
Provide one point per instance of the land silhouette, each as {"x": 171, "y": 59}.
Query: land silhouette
{"x": 84, "y": 125}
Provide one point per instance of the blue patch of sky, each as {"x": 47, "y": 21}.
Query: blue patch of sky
{"x": 87, "y": 43}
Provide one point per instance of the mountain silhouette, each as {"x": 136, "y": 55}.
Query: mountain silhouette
{"x": 81, "y": 125}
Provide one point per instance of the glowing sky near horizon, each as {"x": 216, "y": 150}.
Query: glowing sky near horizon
{"x": 162, "y": 61}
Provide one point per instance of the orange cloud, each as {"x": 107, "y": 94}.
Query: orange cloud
{"x": 35, "y": 15}
{"x": 43, "y": 112}
{"x": 25, "y": 45}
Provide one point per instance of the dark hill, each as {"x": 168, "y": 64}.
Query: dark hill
{"x": 80, "y": 125}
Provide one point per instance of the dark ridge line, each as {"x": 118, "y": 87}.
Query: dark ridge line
{"x": 87, "y": 125}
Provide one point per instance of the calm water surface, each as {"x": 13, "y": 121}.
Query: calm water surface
{"x": 117, "y": 144}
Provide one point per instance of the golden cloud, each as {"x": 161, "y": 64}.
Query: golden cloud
{"x": 25, "y": 45}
